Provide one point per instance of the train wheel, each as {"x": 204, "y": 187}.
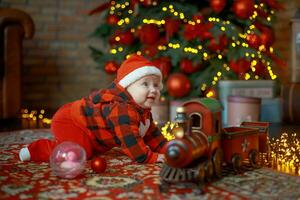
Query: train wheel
{"x": 201, "y": 174}
{"x": 253, "y": 158}
{"x": 236, "y": 162}
{"x": 217, "y": 162}
{"x": 209, "y": 170}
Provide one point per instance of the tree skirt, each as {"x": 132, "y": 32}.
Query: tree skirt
{"x": 125, "y": 179}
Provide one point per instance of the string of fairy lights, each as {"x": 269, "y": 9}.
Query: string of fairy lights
{"x": 285, "y": 153}
{"x": 240, "y": 40}
{"x": 34, "y": 118}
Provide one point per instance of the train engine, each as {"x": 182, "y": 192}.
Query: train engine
{"x": 195, "y": 154}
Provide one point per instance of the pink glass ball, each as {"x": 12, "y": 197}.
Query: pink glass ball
{"x": 68, "y": 160}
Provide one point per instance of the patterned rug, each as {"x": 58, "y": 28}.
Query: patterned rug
{"x": 125, "y": 179}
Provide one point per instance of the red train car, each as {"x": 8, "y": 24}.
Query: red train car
{"x": 263, "y": 128}
{"x": 238, "y": 144}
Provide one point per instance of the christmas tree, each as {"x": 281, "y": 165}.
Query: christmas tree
{"x": 194, "y": 43}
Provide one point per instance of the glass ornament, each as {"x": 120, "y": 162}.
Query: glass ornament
{"x": 68, "y": 160}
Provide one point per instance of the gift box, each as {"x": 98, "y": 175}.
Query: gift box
{"x": 250, "y": 88}
{"x": 242, "y": 109}
{"x": 271, "y": 110}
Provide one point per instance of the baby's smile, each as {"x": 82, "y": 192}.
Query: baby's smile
{"x": 151, "y": 98}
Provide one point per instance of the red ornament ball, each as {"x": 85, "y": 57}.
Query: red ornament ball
{"x": 243, "y": 8}
{"x": 171, "y": 26}
{"x": 190, "y": 32}
{"x": 260, "y": 69}
{"x": 121, "y": 37}
{"x": 188, "y": 67}
{"x": 111, "y": 67}
{"x": 241, "y": 66}
{"x": 218, "y": 44}
{"x": 126, "y": 38}
{"x": 178, "y": 85}
{"x": 149, "y": 34}
{"x": 217, "y": 5}
{"x": 164, "y": 64}
{"x": 112, "y": 19}
{"x": 267, "y": 36}
{"x": 253, "y": 40}
{"x": 98, "y": 164}
{"x": 150, "y": 50}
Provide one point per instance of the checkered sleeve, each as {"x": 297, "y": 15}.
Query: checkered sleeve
{"x": 125, "y": 121}
{"x": 155, "y": 139}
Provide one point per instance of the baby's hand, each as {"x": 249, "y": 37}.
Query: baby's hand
{"x": 161, "y": 158}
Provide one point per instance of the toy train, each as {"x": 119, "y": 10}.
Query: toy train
{"x": 202, "y": 146}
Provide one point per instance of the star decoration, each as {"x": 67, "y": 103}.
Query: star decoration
{"x": 245, "y": 145}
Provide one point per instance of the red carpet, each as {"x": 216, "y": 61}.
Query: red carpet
{"x": 125, "y": 179}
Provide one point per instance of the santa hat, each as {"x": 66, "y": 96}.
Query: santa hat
{"x": 134, "y": 68}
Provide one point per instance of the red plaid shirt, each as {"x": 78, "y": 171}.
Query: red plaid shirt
{"x": 112, "y": 118}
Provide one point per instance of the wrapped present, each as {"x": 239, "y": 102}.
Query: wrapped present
{"x": 271, "y": 110}
{"x": 250, "y": 88}
{"x": 242, "y": 109}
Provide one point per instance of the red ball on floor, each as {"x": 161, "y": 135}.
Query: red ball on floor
{"x": 98, "y": 164}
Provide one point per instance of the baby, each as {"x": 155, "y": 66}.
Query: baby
{"x": 118, "y": 116}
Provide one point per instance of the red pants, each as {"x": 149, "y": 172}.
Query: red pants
{"x": 63, "y": 129}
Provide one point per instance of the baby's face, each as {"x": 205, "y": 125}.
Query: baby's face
{"x": 145, "y": 91}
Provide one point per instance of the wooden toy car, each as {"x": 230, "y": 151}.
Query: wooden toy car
{"x": 202, "y": 146}
{"x": 263, "y": 128}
